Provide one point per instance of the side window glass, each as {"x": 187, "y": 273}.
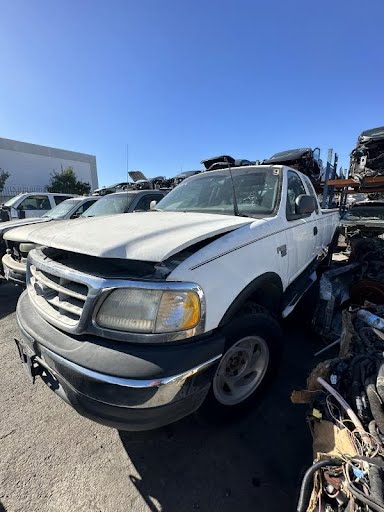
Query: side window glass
{"x": 295, "y": 189}
{"x": 35, "y": 203}
{"x": 84, "y": 207}
{"x": 60, "y": 199}
{"x": 312, "y": 192}
{"x": 144, "y": 202}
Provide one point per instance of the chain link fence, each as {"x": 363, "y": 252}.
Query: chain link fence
{"x": 13, "y": 191}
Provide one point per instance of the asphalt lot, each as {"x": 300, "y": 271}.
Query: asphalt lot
{"x": 51, "y": 459}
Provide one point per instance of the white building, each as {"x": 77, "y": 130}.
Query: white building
{"x": 30, "y": 166}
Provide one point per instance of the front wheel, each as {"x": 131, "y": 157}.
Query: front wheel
{"x": 253, "y": 347}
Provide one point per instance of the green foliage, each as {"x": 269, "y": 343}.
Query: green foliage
{"x": 66, "y": 182}
{"x": 4, "y": 175}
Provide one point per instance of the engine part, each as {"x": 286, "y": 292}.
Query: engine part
{"x": 305, "y": 490}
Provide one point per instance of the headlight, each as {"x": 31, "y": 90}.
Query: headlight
{"x": 150, "y": 311}
{"x": 26, "y": 247}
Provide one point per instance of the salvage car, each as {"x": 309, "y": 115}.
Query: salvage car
{"x": 116, "y": 187}
{"x": 139, "y": 320}
{"x": 364, "y": 219}
{"x": 30, "y": 204}
{"x": 18, "y": 242}
{"x": 367, "y": 159}
{"x": 305, "y": 160}
{"x": 67, "y": 209}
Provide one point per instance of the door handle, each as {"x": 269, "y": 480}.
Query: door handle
{"x": 315, "y": 230}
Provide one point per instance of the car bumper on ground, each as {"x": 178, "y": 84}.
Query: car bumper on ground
{"x": 125, "y": 386}
{"x": 13, "y": 270}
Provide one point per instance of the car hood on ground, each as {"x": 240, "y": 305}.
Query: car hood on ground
{"x": 151, "y": 236}
{"x": 11, "y": 224}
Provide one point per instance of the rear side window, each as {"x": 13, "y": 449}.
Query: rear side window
{"x": 60, "y": 199}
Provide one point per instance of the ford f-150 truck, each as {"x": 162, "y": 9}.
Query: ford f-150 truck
{"x": 139, "y": 320}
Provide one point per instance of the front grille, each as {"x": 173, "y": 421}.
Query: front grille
{"x": 59, "y": 297}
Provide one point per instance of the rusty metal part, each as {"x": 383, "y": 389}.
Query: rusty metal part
{"x": 367, "y": 290}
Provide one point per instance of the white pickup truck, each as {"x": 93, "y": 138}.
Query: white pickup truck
{"x": 138, "y": 320}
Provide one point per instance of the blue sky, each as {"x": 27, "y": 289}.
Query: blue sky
{"x": 183, "y": 80}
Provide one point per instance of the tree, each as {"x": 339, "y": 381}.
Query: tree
{"x": 66, "y": 182}
{"x": 4, "y": 175}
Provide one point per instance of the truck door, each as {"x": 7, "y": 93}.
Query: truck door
{"x": 316, "y": 217}
{"x": 301, "y": 229}
{"x": 34, "y": 206}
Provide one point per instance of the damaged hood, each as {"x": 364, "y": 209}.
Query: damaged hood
{"x": 150, "y": 236}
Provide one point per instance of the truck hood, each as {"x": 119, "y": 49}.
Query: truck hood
{"x": 150, "y": 236}
{"x": 11, "y": 224}
{"x": 23, "y": 233}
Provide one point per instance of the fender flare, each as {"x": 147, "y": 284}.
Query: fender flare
{"x": 266, "y": 290}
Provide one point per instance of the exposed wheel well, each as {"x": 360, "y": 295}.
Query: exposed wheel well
{"x": 266, "y": 290}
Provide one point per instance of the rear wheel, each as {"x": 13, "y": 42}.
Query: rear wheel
{"x": 250, "y": 358}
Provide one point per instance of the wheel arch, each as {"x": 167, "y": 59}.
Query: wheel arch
{"x": 266, "y": 290}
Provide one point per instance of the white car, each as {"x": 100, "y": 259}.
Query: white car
{"x": 18, "y": 242}
{"x": 16, "y": 232}
{"x": 138, "y": 320}
{"x": 30, "y": 204}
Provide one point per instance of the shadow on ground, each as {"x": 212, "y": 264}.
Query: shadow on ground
{"x": 9, "y": 296}
{"x": 255, "y": 464}
{"x": 2, "y": 508}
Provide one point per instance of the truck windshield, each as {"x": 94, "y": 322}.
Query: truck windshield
{"x": 255, "y": 192}
{"x": 61, "y": 210}
{"x": 110, "y": 205}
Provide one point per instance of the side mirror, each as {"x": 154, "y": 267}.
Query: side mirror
{"x": 152, "y": 205}
{"x": 305, "y": 204}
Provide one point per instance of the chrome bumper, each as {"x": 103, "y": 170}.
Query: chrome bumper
{"x": 14, "y": 271}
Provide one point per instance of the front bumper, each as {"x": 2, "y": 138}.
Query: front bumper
{"x": 14, "y": 271}
{"x": 119, "y": 384}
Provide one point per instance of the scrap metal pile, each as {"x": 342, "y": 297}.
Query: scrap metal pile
{"x": 347, "y": 420}
{"x": 346, "y": 394}
{"x": 367, "y": 159}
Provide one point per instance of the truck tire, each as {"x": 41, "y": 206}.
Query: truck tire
{"x": 250, "y": 359}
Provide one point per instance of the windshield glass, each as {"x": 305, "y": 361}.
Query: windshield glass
{"x": 13, "y": 200}
{"x": 61, "y": 210}
{"x": 362, "y": 213}
{"x": 110, "y": 205}
{"x": 257, "y": 191}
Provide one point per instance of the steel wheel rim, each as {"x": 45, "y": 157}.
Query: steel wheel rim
{"x": 241, "y": 370}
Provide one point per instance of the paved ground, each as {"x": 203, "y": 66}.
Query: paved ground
{"x": 51, "y": 459}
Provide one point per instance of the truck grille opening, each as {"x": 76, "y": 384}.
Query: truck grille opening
{"x": 58, "y": 297}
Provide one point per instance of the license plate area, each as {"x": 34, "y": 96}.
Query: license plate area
{"x": 28, "y": 359}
